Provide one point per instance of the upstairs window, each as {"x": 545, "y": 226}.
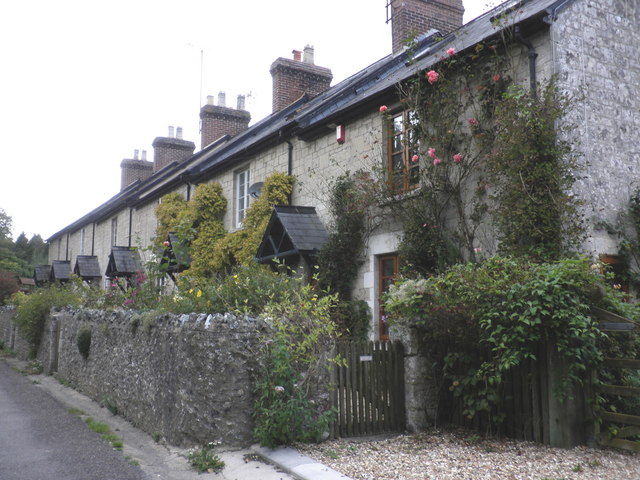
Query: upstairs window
{"x": 403, "y": 170}
{"x": 242, "y": 195}
{"x": 114, "y": 231}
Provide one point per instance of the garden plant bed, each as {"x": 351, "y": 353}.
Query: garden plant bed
{"x": 441, "y": 455}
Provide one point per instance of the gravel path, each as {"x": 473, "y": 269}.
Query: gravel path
{"x": 463, "y": 455}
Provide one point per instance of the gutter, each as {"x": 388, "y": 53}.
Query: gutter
{"x": 553, "y": 11}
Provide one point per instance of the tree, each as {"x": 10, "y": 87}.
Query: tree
{"x": 5, "y": 225}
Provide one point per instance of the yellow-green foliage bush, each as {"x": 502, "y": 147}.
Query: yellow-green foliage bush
{"x": 197, "y": 222}
{"x": 170, "y": 214}
{"x": 32, "y": 310}
{"x": 240, "y": 247}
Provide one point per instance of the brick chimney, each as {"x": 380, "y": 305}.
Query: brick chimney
{"x": 170, "y": 149}
{"x": 410, "y": 18}
{"x": 294, "y": 78}
{"x": 134, "y": 169}
{"x": 219, "y": 120}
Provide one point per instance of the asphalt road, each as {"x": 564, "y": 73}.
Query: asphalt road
{"x": 41, "y": 440}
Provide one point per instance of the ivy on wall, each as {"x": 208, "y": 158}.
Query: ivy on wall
{"x": 341, "y": 257}
{"x": 198, "y": 223}
{"x": 240, "y": 247}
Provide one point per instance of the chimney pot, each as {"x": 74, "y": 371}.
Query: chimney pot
{"x": 209, "y": 99}
{"x": 171, "y": 134}
{"x": 241, "y": 105}
{"x": 135, "y": 154}
{"x": 308, "y": 55}
{"x": 222, "y": 99}
{"x": 144, "y": 155}
{"x": 297, "y": 55}
{"x": 179, "y": 132}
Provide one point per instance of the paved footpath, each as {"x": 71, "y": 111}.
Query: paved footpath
{"x": 40, "y": 439}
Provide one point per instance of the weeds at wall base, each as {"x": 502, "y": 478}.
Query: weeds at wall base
{"x": 204, "y": 460}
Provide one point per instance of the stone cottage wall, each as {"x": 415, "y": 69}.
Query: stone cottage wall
{"x": 595, "y": 57}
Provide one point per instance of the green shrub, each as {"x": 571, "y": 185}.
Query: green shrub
{"x": 84, "y": 341}
{"x": 285, "y": 411}
{"x": 352, "y": 319}
{"x": 479, "y": 321}
{"x": 245, "y": 290}
{"x": 33, "y": 309}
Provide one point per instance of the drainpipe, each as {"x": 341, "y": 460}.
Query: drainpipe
{"x": 533, "y": 81}
{"x": 289, "y": 160}
{"x": 66, "y": 253}
{"x": 130, "y": 224}
{"x": 93, "y": 238}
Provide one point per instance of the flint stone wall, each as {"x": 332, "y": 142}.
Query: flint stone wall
{"x": 9, "y": 334}
{"x": 187, "y": 378}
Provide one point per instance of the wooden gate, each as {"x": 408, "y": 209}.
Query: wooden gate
{"x": 620, "y": 429}
{"x": 369, "y": 393}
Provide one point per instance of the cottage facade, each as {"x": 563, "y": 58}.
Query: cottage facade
{"x": 318, "y": 131}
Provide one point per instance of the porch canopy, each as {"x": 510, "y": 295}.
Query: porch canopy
{"x": 87, "y": 267}
{"x": 292, "y": 232}
{"x": 60, "y": 271}
{"x": 41, "y": 274}
{"x": 123, "y": 262}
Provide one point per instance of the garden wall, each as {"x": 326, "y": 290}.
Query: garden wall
{"x": 9, "y": 334}
{"x": 189, "y": 378}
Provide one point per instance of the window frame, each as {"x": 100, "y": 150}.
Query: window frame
{"x": 114, "y": 231}
{"x": 241, "y": 198}
{"x": 384, "y": 281}
{"x": 400, "y": 152}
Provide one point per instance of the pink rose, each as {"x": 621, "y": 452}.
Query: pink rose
{"x": 166, "y": 243}
{"x": 415, "y": 158}
{"x": 436, "y": 161}
{"x": 432, "y": 76}
{"x": 451, "y": 51}
{"x": 473, "y": 122}
{"x": 457, "y": 158}
{"x": 431, "y": 152}
{"x": 383, "y": 109}
{"x": 496, "y": 77}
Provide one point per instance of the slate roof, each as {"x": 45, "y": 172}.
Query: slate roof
{"x": 123, "y": 262}
{"x": 60, "y": 270}
{"x": 292, "y": 230}
{"x": 87, "y": 267}
{"x": 41, "y": 274}
{"x": 307, "y": 118}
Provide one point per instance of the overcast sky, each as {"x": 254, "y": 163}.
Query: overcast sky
{"x": 85, "y": 83}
